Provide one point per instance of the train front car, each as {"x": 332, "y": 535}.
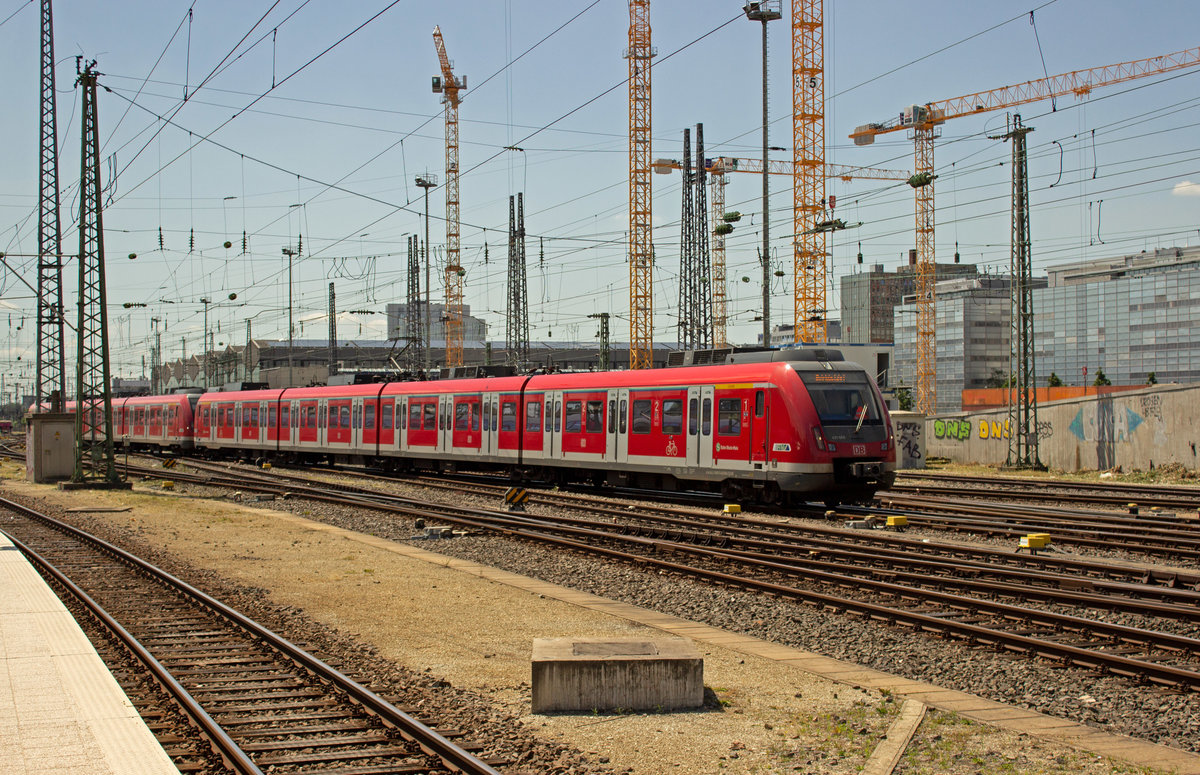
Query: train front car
{"x": 829, "y": 436}
{"x": 843, "y": 421}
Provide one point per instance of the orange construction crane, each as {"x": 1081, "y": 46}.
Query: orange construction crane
{"x": 716, "y": 169}
{"x": 924, "y": 121}
{"x": 449, "y": 86}
{"x": 808, "y": 164}
{"x": 641, "y": 249}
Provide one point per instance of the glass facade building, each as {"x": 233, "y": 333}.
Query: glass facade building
{"x": 972, "y": 337}
{"x": 1130, "y": 316}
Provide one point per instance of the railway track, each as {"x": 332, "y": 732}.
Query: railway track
{"x": 988, "y": 608}
{"x": 258, "y": 702}
{"x": 1097, "y": 493}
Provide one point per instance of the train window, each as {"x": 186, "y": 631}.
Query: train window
{"x": 431, "y": 417}
{"x": 729, "y": 417}
{"x": 487, "y": 415}
{"x": 369, "y": 416}
{"x": 414, "y": 415}
{"x": 385, "y": 415}
{"x": 550, "y": 415}
{"x": 693, "y": 417}
{"x": 573, "y": 417}
{"x": 237, "y": 417}
{"x": 345, "y": 416}
{"x": 229, "y": 417}
{"x": 641, "y": 415}
{"x": 461, "y": 416}
{"x": 612, "y": 416}
{"x": 474, "y": 405}
{"x": 271, "y": 417}
{"x": 496, "y": 414}
{"x": 672, "y": 421}
{"x": 508, "y": 415}
{"x": 254, "y": 417}
{"x": 760, "y": 403}
{"x": 595, "y": 416}
{"x": 624, "y": 425}
{"x": 706, "y": 418}
{"x": 558, "y": 415}
{"x": 285, "y": 415}
{"x": 533, "y": 417}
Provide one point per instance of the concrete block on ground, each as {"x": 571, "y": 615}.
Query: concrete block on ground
{"x": 571, "y": 674}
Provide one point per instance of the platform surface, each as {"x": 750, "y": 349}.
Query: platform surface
{"x": 61, "y": 710}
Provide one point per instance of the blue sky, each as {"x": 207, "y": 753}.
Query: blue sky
{"x": 362, "y": 116}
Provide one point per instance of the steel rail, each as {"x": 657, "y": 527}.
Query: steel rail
{"x": 230, "y": 752}
{"x": 410, "y": 728}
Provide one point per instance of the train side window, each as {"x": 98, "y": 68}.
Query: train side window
{"x": 254, "y": 417}
{"x": 474, "y": 411}
{"x": 729, "y": 417}
{"x": 414, "y": 415}
{"x": 612, "y": 416}
{"x": 760, "y": 403}
{"x": 672, "y": 421}
{"x": 385, "y": 415}
{"x": 641, "y": 415}
{"x": 573, "y": 417}
{"x": 430, "y": 417}
{"x": 237, "y": 417}
{"x": 558, "y": 415}
{"x": 229, "y": 417}
{"x": 550, "y": 415}
{"x": 271, "y": 418}
{"x": 369, "y": 417}
{"x": 345, "y": 416}
{"x": 706, "y": 418}
{"x": 508, "y": 415}
{"x": 624, "y": 417}
{"x": 595, "y": 417}
{"x": 487, "y": 415}
{"x": 693, "y": 417}
{"x": 533, "y": 417}
{"x": 461, "y": 416}
{"x": 496, "y": 414}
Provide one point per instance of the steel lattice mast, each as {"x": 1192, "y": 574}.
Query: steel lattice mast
{"x": 450, "y": 87}
{"x": 94, "y": 456}
{"x": 414, "y": 348}
{"x": 808, "y": 156}
{"x": 641, "y": 249}
{"x": 516, "y": 342}
{"x": 51, "y": 356}
{"x": 720, "y": 307}
{"x": 1022, "y": 387}
{"x": 332, "y": 331}
{"x": 687, "y": 248}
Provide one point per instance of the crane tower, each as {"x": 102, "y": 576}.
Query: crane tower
{"x": 448, "y": 85}
{"x": 641, "y": 250}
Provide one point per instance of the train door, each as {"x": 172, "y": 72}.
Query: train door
{"x": 621, "y": 447}
{"x": 445, "y": 423}
{"x": 491, "y": 418}
{"x": 703, "y": 397}
{"x": 551, "y": 422}
{"x": 356, "y": 423}
{"x": 610, "y": 427}
{"x": 758, "y": 429}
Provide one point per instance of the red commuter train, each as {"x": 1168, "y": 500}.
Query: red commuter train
{"x": 765, "y": 426}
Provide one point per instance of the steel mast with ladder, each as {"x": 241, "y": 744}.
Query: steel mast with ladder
{"x": 924, "y": 121}
{"x": 449, "y": 86}
{"x": 808, "y": 160}
{"x": 51, "y": 356}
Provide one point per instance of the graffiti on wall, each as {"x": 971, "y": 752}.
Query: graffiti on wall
{"x": 1103, "y": 422}
{"x": 909, "y": 440}
{"x": 982, "y": 427}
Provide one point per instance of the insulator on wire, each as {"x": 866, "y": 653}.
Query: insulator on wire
{"x": 160, "y": 238}
{"x": 191, "y": 240}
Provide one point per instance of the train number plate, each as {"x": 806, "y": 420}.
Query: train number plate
{"x": 858, "y": 449}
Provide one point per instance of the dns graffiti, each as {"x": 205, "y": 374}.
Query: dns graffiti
{"x": 952, "y": 429}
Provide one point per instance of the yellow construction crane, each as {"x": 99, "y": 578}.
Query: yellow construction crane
{"x": 641, "y": 249}
{"x": 449, "y": 86}
{"x": 924, "y": 122}
{"x": 716, "y": 170}
{"x": 808, "y": 166}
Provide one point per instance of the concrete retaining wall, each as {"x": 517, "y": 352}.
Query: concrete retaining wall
{"x": 1133, "y": 430}
{"x": 909, "y": 429}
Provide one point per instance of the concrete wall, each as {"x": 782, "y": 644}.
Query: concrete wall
{"x": 1133, "y": 430}
{"x": 909, "y": 430}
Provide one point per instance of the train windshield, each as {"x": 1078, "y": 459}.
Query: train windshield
{"x": 843, "y": 398}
